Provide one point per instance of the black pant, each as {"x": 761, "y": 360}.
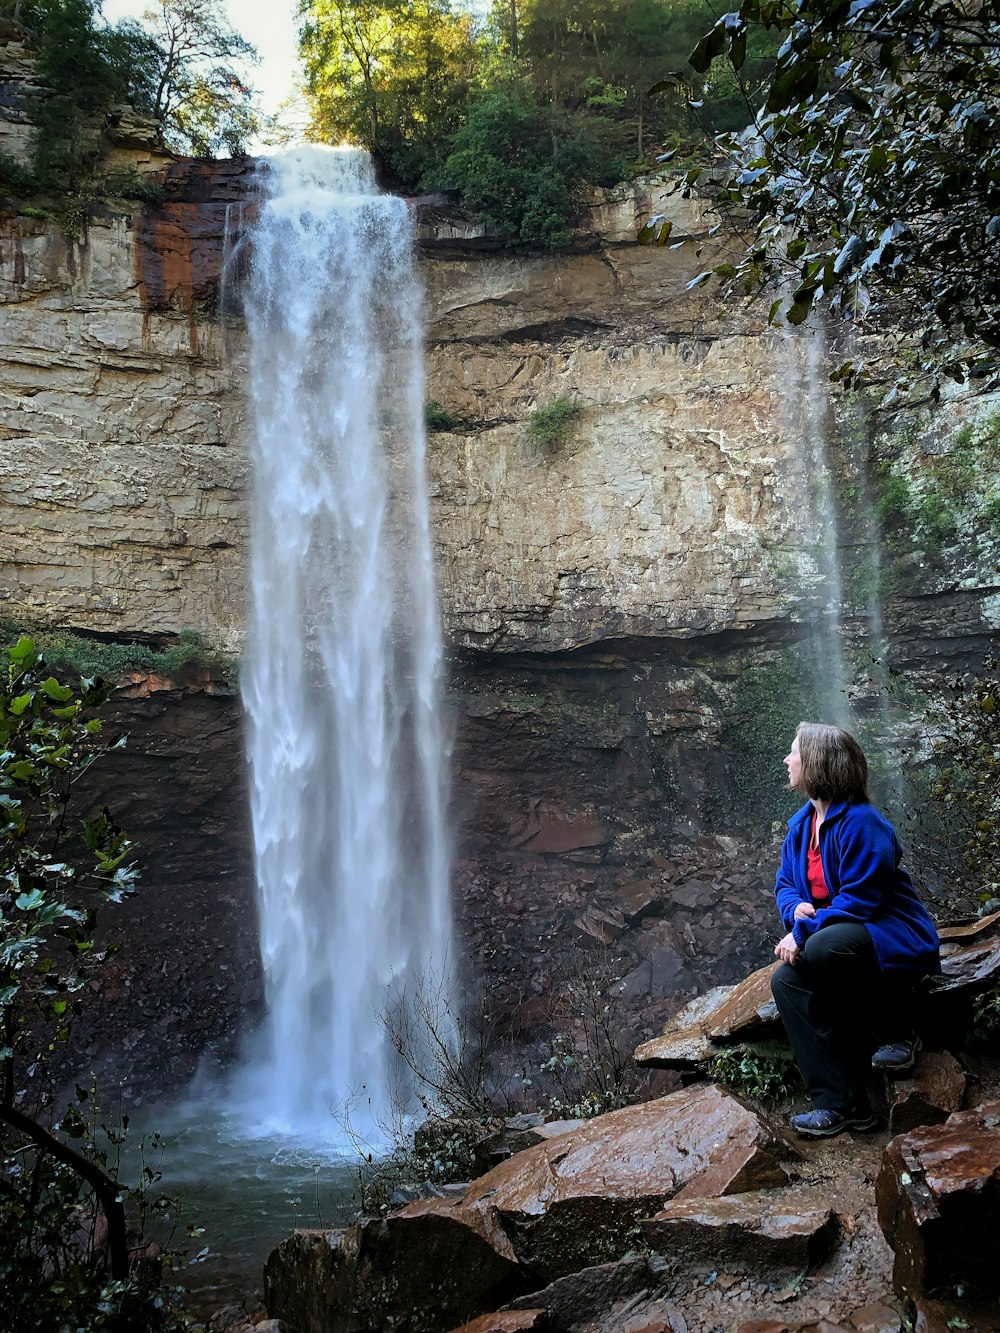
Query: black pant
{"x": 837, "y": 1006}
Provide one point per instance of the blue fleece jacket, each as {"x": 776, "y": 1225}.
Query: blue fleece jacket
{"x": 861, "y": 856}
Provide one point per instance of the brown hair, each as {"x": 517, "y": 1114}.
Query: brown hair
{"x": 834, "y": 767}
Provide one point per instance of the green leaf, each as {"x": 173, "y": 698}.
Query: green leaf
{"x": 58, "y": 693}
{"x": 656, "y": 231}
{"x": 29, "y": 902}
{"x": 802, "y": 303}
{"x": 23, "y": 652}
{"x": 21, "y": 704}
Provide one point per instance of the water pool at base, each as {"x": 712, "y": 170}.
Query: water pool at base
{"x": 247, "y": 1189}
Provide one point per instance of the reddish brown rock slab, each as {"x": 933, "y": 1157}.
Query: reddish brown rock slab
{"x": 506, "y": 1321}
{"x": 985, "y": 928}
{"x": 938, "y": 1197}
{"x": 425, "y": 1269}
{"x": 970, "y": 968}
{"x": 577, "y": 1200}
{"x": 748, "y": 1010}
{"x": 933, "y": 1092}
{"x": 721, "y": 1015}
{"x": 566, "y": 831}
{"x": 684, "y": 1041}
{"x": 758, "y": 1232}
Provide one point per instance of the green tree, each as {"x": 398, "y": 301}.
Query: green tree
{"x": 604, "y": 55}
{"x": 53, "y": 879}
{"x": 520, "y": 166}
{"x": 389, "y": 75}
{"x": 873, "y": 182}
{"x": 192, "y": 77}
{"x": 82, "y": 85}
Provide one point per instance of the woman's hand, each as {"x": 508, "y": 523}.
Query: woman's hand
{"x": 804, "y": 909}
{"x": 787, "y": 950}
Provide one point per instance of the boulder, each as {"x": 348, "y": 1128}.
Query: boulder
{"x": 424, "y": 1269}
{"x": 577, "y": 1199}
{"x": 762, "y": 1231}
{"x": 933, "y": 1092}
{"x": 970, "y": 964}
{"x": 938, "y": 1197}
{"x": 969, "y": 967}
{"x": 724, "y": 1014}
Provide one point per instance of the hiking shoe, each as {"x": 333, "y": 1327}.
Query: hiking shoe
{"x": 896, "y": 1055}
{"x": 824, "y": 1124}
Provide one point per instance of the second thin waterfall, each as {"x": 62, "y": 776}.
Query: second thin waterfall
{"x": 341, "y": 685}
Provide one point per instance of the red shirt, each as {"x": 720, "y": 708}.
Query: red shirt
{"x": 814, "y": 869}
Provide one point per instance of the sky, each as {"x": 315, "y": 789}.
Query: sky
{"x": 268, "y": 24}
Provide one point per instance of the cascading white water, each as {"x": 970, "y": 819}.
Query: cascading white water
{"x": 807, "y": 408}
{"x": 341, "y": 682}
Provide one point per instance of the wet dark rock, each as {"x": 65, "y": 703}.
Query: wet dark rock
{"x": 938, "y": 1197}
{"x": 760, "y": 1231}
{"x": 574, "y": 1300}
{"x": 425, "y": 1269}
{"x": 572, "y": 1202}
{"x": 934, "y": 1091}
{"x": 597, "y": 927}
{"x": 971, "y": 967}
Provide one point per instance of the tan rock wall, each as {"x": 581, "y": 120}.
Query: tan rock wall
{"x": 123, "y": 499}
{"x": 123, "y": 412}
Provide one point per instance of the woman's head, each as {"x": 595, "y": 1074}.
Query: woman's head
{"x": 827, "y": 764}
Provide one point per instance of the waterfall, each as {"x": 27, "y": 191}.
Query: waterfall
{"x": 808, "y": 419}
{"x": 342, "y": 673}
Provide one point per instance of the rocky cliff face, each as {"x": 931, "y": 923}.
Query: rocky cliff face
{"x": 625, "y": 614}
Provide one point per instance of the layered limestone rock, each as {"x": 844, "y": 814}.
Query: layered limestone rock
{"x": 19, "y": 90}
{"x": 125, "y": 397}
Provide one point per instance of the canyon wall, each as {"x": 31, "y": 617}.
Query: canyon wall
{"x": 633, "y": 618}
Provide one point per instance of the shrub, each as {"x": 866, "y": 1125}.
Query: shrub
{"x": 520, "y": 166}
{"x": 552, "y": 426}
{"x": 15, "y": 178}
{"x": 761, "y": 1070}
{"x": 986, "y": 1018}
{"x": 437, "y": 417}
{"x": 112, "y": 658}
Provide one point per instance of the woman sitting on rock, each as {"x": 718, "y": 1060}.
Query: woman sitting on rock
{"x": 858, "y": 937}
